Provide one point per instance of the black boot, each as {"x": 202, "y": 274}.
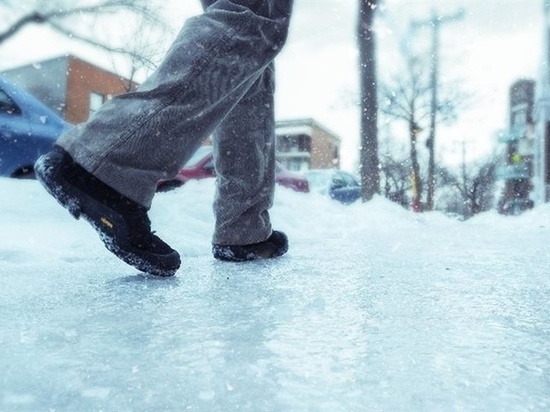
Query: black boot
{"x": 274, "y": 246}
{"x": 122, "y": 224}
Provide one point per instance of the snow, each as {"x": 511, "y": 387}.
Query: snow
{"x": 374, "y": 308}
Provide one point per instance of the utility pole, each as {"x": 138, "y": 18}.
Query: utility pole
{"x": 435, "y": 22}
{"x": 464, "y": 176}
{"x": 370, "y": 178}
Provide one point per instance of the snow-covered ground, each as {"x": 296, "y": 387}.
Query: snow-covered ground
{"x": 373, "y": 309}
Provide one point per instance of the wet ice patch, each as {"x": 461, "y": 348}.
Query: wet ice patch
{"x": 97, "y": 392}
{"x": 12, "y": 400}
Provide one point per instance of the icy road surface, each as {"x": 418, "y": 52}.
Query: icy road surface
{"x": 373, "y": 309}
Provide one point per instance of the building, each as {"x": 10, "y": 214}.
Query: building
{"x": 518, "y": 169}
{"x": 541, "y": 180}
{"x": 75, "y": 89}
{"x": 304, "y": 144}
{"x": 72, "y": 87}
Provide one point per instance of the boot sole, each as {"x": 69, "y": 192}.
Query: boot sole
{"x": 80, "y": 204}
{"x": 259, "y": 251}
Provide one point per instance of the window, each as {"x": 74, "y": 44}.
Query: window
{"x": 520, "y": 118}
{"x": 96, "y": 101}
{"x": 294, "y": 165}
{"x": 7, "y": 105}
{"x": 293, "y": 143}
{"x": 345, "y": 179}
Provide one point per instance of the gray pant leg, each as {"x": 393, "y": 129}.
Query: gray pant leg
{"x": 244, "y": 156}
{"x": 141, "y": 137}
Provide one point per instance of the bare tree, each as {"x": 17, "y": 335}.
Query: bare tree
{"x": 395, "y": 183}
{"x": 146, "y": 45}
{"x": 370, "y": 179}
{"x": 470, "y": 189}
{"x": 477, "y": 186}
{"x": 407, "y": 99}
{"x": 78, "y": 20}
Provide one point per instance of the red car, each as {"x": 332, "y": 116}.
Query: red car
{"x": 201, "y": 166}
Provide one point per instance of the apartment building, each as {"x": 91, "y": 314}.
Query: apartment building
{"x": 303, "y": 144}
{"x": 541, "y": 180}
{"x": 72, "y": 87}
{"x": 518, "y": 168}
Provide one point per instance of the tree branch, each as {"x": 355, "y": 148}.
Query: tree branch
{"x": 107, "y": 6}
{"x": 100, "y": 45}
{"x": 34, "y": 17}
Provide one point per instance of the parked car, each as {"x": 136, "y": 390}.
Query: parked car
{"x": 201, "y": 166}
{"x": 27, "y": 130}
{"x": 337, "y": 184}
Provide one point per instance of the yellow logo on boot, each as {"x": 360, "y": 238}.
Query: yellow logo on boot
{"x": 106, "y": 222}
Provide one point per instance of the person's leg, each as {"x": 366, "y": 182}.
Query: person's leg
{"x": 244, "y": 155}
{"x": 139, "y": 138}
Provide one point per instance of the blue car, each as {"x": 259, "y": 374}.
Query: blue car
{"x": 27, "y": 130}
{"x": 337, "y": 184}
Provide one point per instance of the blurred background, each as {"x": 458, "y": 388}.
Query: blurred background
{"x": 461, "y": 87}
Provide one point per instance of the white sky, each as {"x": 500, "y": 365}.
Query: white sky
{"x": 495, "y": 44}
